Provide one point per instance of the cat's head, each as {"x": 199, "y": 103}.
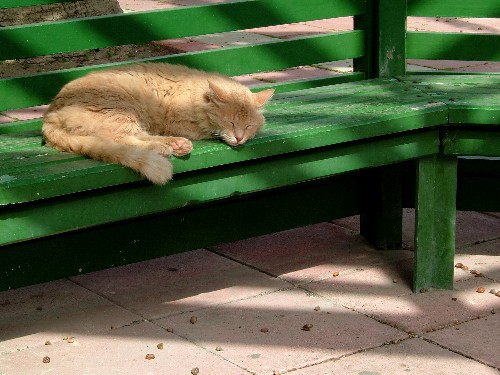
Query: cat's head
{"x": 236, "y": 112}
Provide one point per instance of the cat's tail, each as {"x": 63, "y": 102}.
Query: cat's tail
{"x": 155, "y": 167}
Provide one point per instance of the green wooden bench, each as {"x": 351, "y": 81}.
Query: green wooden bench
{"x": 367, "y": 142}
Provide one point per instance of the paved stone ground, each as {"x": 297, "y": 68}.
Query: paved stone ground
{"x": 241, "y": 308}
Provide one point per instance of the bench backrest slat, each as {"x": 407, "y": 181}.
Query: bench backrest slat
{"x": 141, "y": 27}
{"x": 26, "y": 3}
{"x": 34, "y": 90}
{"x": 453, "y": 46}
{"x": 463, "y": 45}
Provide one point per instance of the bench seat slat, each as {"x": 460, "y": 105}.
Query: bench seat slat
{"x": 59, "y": 216}
{"x": 471, "y": 99}
{"x": 322, "y": 122}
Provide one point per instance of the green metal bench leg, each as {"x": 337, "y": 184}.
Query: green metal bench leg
{"x": 381, "y": 221}
{"x": 435, "y": 223}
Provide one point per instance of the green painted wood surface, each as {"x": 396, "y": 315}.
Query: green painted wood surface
{"x": 390, "y": 45}
{"x": 366, "y": 22}
{"x": 146, "y": 237}
{"x": 454, "y": 8}
{"x": 473, "y": 141}
{"x": 33, "y": 90}
{"x": 471, "y": 99}
{"x": 299, "y": 120}
{"x": 314, "y": 137}
{"x": 141, "y": 27}
{"x": 435, "y": 223}
{"x": 4, "y": 4}
{"x": 452, "y": 46}
{"x": 22, "y": 222}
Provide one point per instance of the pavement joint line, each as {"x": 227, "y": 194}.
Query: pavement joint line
{"x": 402, "y": 329}
{"x": 477, "y": 242}
{"x": 205, "y": 349}
{"x": 105, "y": 297}
{"x": 347, "y": 355}
{"x": 216, "y": 252}
{"x": 430, "y": 341}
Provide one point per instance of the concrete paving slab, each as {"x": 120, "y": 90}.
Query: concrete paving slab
{"x": 27, "y": 113}
{"x": 143, "y": 5}
{"x": 418, "y": 68}
{"x": 457, "y": 25}
{"x": 341, "y": 66}
{"x": 32, "y": 315}
{"x": 184, "y": 282}
{"x": 310, "y": 253}
{"x": 451, "y": 65}
{"x": 237, "y": 329}
{"x": 422, "y": 312}
{"x": 235, "y": 38}
{"x": 186, "y": 45}
{"x": 120, "y": 351}
{"x": 479, "y": 339}
{"x": 194, "y": 2}
{"x": 5, "y": 119}
{"x": 471, "y": 227}
{"x": 249, "y": 80}
{"x": 333, "y": 24}
{"x": 305, "y": 72}
{"x": 483, "y": 258}
{"x": 483, "y": 67}
{"x": 413, "y": 356}
{"x": 289, "y": 31}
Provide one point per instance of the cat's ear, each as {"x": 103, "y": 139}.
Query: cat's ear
{"x": 219, "y": 94}
{"x": 263, "y": 97}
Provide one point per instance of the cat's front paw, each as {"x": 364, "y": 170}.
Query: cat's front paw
{"x": 181, "y": 146}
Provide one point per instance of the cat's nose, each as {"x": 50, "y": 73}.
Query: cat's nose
{"x": 238, "y": 139}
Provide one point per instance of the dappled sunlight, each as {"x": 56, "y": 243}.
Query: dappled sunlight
{"x": 281, "y": 280}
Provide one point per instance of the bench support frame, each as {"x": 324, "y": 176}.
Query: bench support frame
{"x": 435, "y": 223}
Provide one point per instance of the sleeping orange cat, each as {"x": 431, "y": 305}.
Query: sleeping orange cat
{"x": 139, "y": 115}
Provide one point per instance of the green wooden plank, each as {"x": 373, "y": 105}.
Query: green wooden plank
{"x": 367, "y": 63}
{"x": 472, "y": 99}
{"x": 454, "y": 8}
{"x": 57, "y": 216}
{"x": 296, "y": 121}
{"x": 34, "y": 90}
{"x": 475, "y": 141}
{"x": 282, "y": 87}
{"x": 435, "y": 223}
{"x": 30, "y": 181}
{"x": 20, "y": 126}
{"x": 452, "y": 46}
{"x": 477, "y": 115}
{"x": 28, "y": 3}
{"x": 153, "y": 236}
{"x": 391, "y": 38}
{"x": 141, "y": 27}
